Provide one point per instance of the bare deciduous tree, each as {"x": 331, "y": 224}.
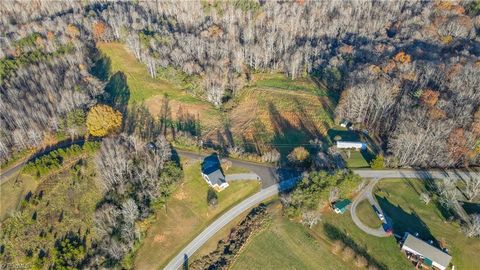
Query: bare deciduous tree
{"x": 472, "y": 227}
{"x": 310, "y": 218}
{"x": 472, "y": 187}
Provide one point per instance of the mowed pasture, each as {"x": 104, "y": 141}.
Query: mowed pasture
{"x": 185, "y": 215}
{"x": 380, "y": 251}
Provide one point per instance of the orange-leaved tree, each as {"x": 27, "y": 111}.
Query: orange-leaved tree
{"x": 102, "y": 120}
{"x": 98, "y": 29}
{"x": 429, "y": 97}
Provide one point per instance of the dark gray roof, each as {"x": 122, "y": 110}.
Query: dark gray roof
{"x": 216, "y": 177}
{"x": 427, "y": 250}
{"x": 212, "y": 169}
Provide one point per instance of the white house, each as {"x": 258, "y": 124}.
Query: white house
{"x": 423, "y": 253}
{"x": 212, "y": 173}
{"x": 351, "y": 145}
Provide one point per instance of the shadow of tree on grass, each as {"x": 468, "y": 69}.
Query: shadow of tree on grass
{"x": 403, "y": 221}
{"x": 334, "y": 233}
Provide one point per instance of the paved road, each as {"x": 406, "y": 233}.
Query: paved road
{"x": 205, "y": 235}
{"x": 367, "y": 194}
{"x": 242, "y": 176}
{"x": 7, "y": 174}
{"x": 420, "y": 174}
{"x": 269, "y": 175}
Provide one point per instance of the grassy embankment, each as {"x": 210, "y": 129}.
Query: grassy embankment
{"x": 285, "y": 244}
{"x": 186, "y": 214}
{"x": 400, "y": 200}
{"x": 290, "y": 245}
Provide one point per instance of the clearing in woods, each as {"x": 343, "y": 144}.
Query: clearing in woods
{"x": 152, "y": 91}
{"x": 273, "y": 109}
{"x": 281, "y": 112}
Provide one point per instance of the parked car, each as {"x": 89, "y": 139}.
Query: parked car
{"x": 379, "y": 214}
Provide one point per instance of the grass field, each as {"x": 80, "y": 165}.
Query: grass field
{"x": 185, "y": 215}
{"x": 280, "y": 82}
{"x": 287, "y": 245}
{"x": 367, "y": 215}
{"x": 383, "y": 251}
{"x": 283, "y": 118}
{"x": 400, "y": 200}
{"x": 12, "y": 192}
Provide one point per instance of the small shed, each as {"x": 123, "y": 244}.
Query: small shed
{"x": 346, "y": 124}
{"x": 341, "y": 206}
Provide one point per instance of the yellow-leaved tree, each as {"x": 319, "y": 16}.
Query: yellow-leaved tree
{"x": 102, "y": 120}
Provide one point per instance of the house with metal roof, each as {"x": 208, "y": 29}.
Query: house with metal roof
{"x": 212, "y": 173}
{"x": 341, "y": 206}
{"x": 424, "y": 254}
{"x": 351, "y": 145}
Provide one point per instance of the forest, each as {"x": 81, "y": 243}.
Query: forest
{"x": 407, "y": 71}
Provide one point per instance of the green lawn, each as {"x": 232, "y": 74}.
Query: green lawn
{"x": 281, "y": 82}
{"x": 287, "y": 245}
{"x": 400, "y": 200}
{"x": 384, "y": 252}
{"x": 356, "y": 160}
{"x": 367, "y": 215}
{"x": 185, "y": 216}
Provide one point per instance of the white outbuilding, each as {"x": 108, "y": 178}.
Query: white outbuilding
{"x": 351, "y": 145}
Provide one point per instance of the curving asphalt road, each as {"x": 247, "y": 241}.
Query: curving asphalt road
{"x": 182, "y": 257}
{"x": 367, "y": 194}
{"x": 12, "y": 171}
